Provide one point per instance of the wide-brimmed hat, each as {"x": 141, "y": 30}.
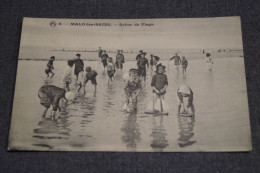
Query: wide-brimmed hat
{"x": 208, "y": 55}
{"x": 52, "y": 57}
{"x": 184, "y": 89}
{"x": 140, "y": 51}
{"x": 78, "y": 54}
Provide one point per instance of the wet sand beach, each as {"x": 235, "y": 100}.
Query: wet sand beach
{"x": 96, "y": 123}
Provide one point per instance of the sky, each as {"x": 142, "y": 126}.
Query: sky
{"x": 163, "y": 34}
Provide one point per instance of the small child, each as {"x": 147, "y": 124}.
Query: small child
{"x": 49, "y": 68}
{"x": 209, "y": 61}
{"x": 110, "y": 69}
{"x": 159, "y": 84}
{"x": 90, "y": 75}
{"x": 132, "y": 89}
{"x": 104, "y": 58}
{"x": 67, "y": 77}
{"x": 155, "y": 62}
{"x": 184, "y": 64}
{"x": 185, "y": 92}
{"x": 51, "y": 95}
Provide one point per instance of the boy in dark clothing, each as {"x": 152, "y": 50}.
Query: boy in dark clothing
{"x": 159, "y": 83}
{"x": 79, "y": 66}
{"x": 104, "y": 58}
{"x": 110, "y": 69}
{"x": 51, "y": 95}
{"x": 90, "y": 75}
{"x": 184, "y": 64}
{"x": 49, "y": 67}
{"x": 139, "y": 55}
{"x": 151, "y": 60}
{"x": 177, "y": 60}
{"x": 142, "y": 63}
{"x": 100, "y": 52}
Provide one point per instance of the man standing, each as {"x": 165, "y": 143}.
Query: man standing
{"x": 177, "y": 60}
{"x": 79, "y": 66}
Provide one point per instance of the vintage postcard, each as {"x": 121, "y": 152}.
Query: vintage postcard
{"x": 137, "y": 85}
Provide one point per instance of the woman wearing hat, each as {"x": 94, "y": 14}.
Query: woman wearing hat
{"x": 209, "y": 61}
{"x": 49, "y": 67}
{"x": 185, "y": 92}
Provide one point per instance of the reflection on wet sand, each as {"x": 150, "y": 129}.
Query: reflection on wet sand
{"x": 186, "y": 126}
{"x": 131, "y": 132}
{"x": 51, "y": 129}
{"x": 159, "y": 134}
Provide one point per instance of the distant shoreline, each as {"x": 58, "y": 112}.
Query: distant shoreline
{"x": 30, "y": 59}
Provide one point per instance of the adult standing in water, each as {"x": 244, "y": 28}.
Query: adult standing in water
{"x": 209, "y": 61}
{"x": 177, "y": 60}
{"x": 79, "y": 66}
{"x": 142, "y": 63}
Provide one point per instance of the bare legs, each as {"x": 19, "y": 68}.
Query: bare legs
{"x": 44, "y": 112}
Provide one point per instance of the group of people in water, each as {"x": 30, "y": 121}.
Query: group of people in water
{"x": 51, "y": 95}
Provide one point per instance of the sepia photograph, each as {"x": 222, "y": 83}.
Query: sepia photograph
{"x": 131, "y": 85}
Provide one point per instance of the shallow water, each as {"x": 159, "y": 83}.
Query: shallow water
{"x": 96, "y": 122}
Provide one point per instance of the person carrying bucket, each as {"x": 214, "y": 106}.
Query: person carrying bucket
{"x": 159, "y": 84}
{"x": 185, "y": 92}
